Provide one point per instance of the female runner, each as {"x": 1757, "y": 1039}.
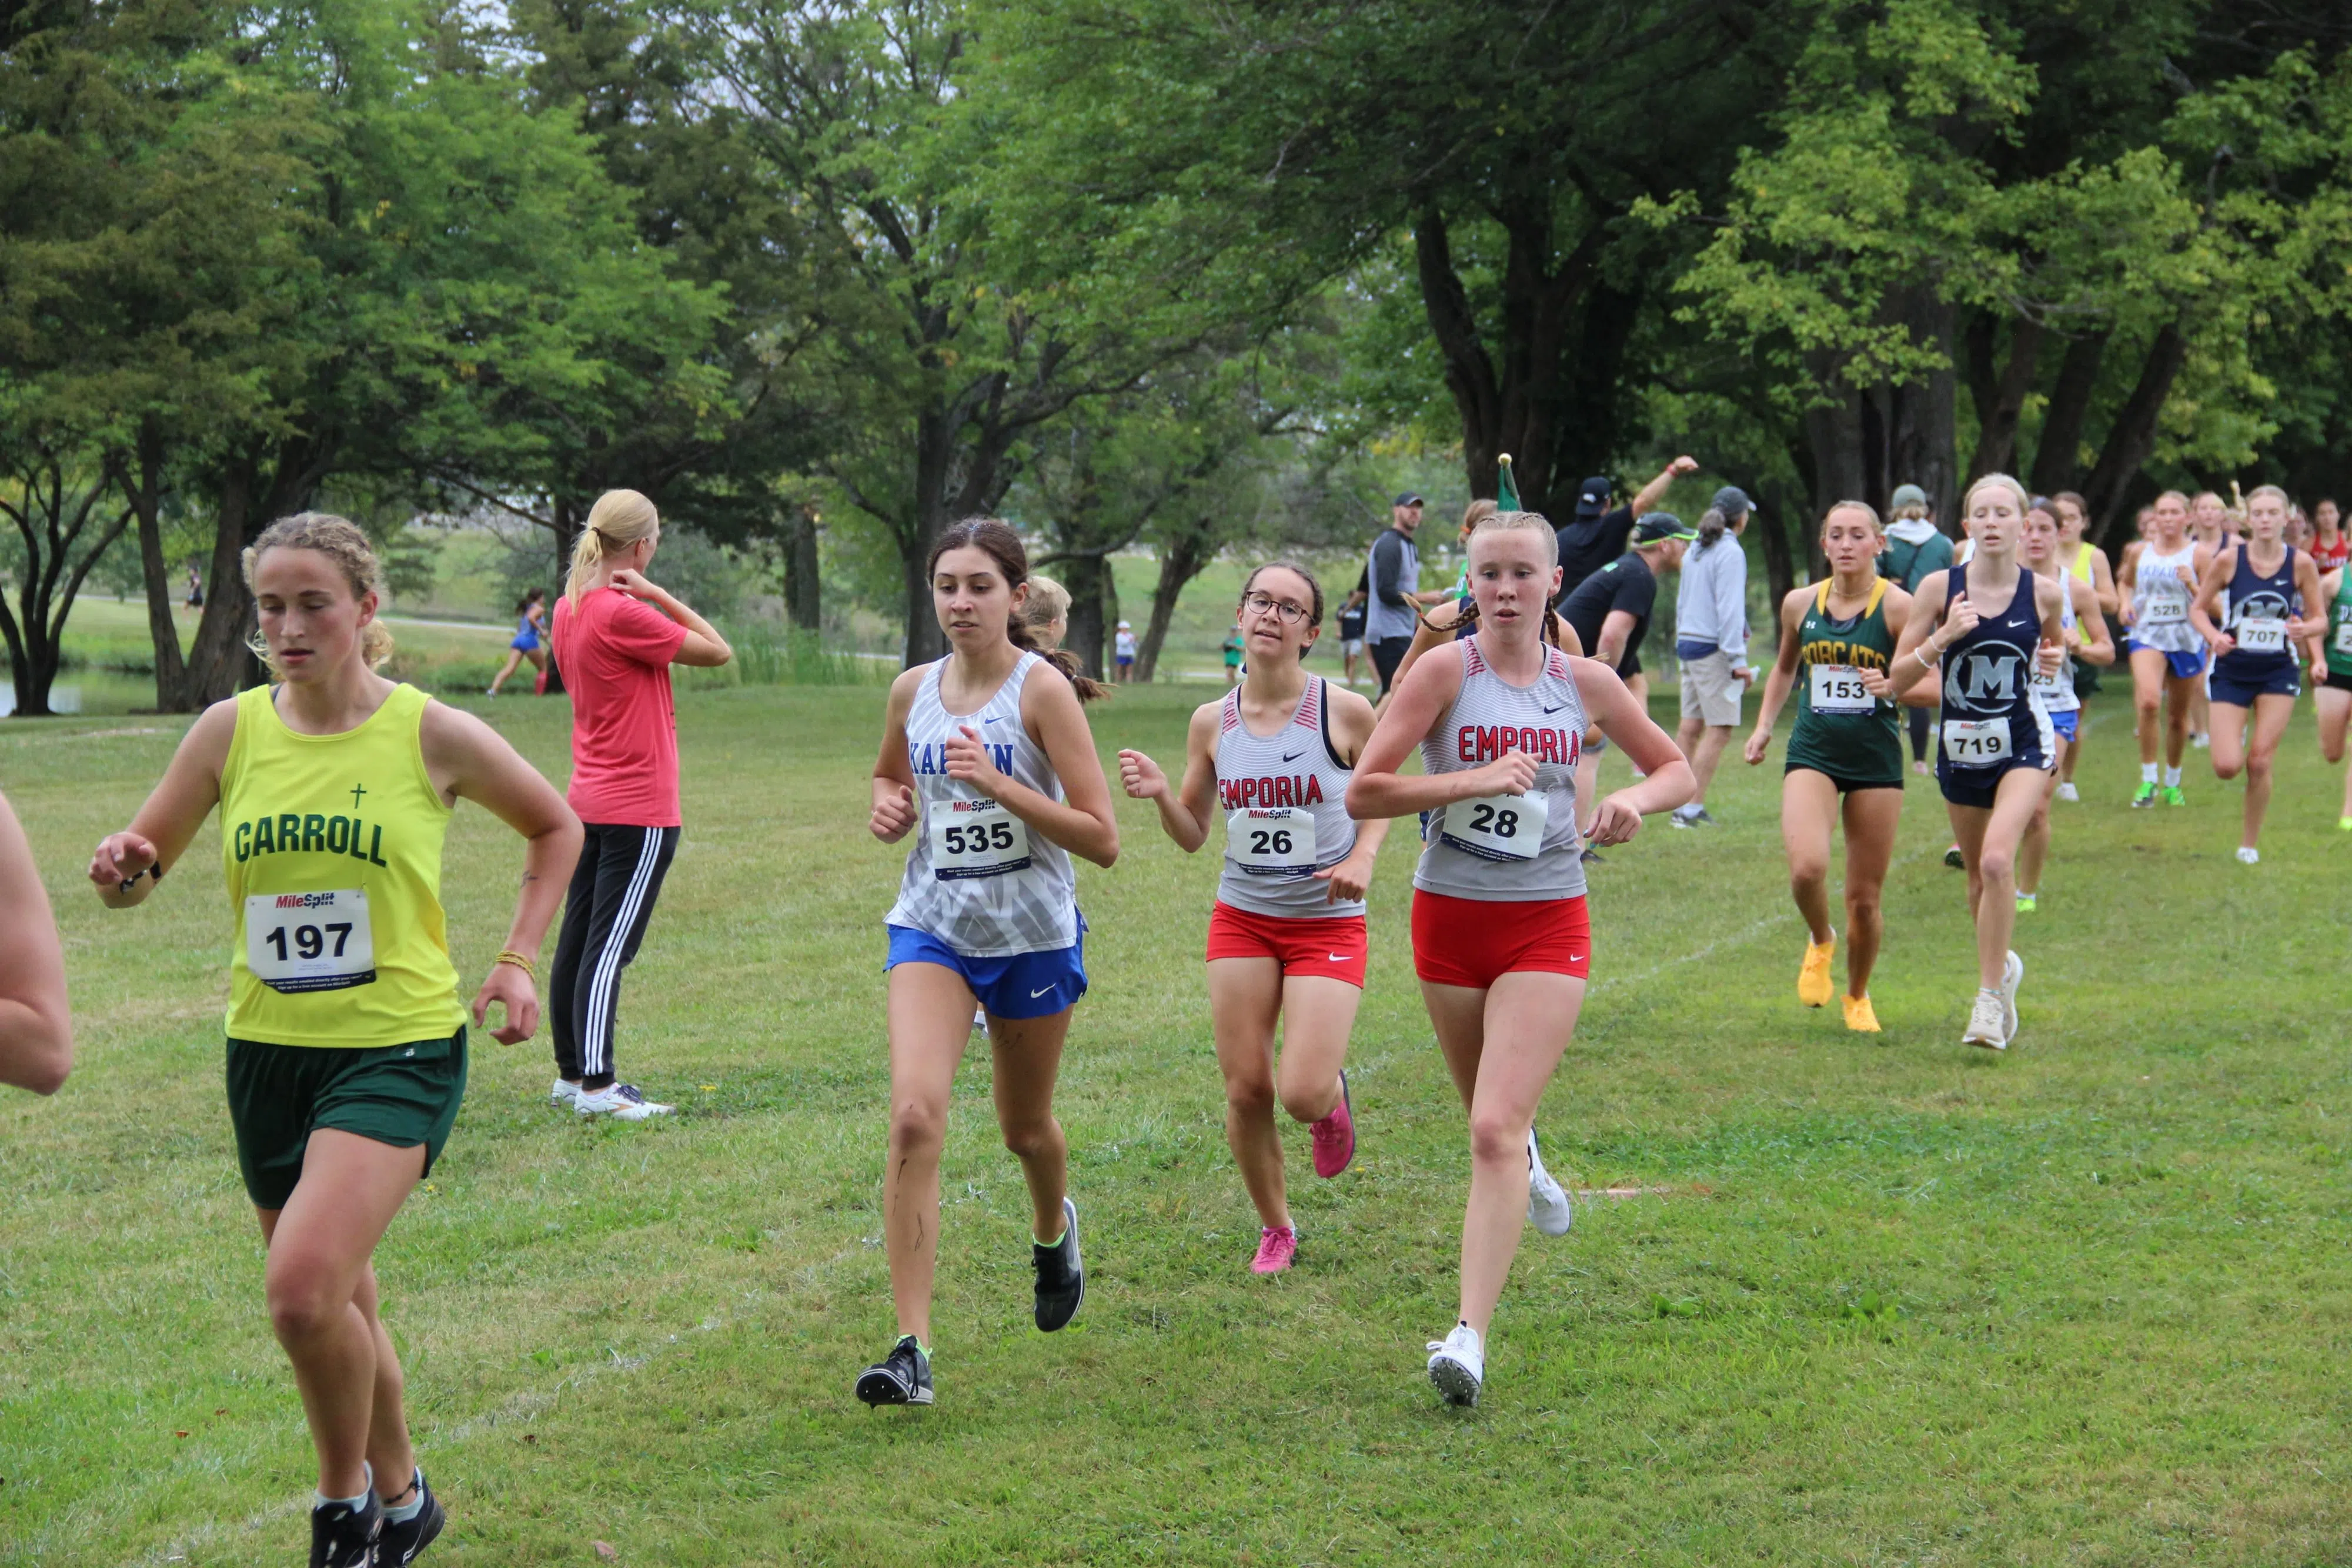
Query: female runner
{"x": 1845, "y": 755}
{"x": 988, "y": 761}
{"x": 1499, "y": 934}
{"x": 2167, "y": 659}
{"x": 2250, "y": 609}
{"x": 2085, "y": 562}
{"x": 2043, "y": 548}
{"x": 2332, "y": 693}
{"x": 1286, "y": 939}
{"x": 530, "y": 639}
{"x": 346, "y": 1038}
{"x": 1989, "y": 625}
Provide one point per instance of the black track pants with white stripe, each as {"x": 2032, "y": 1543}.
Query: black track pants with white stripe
{"x": 611, "y": 899}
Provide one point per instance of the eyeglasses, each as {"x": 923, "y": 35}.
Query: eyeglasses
{"x": 1282, "y": 610}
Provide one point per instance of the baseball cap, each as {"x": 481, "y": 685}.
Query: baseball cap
{"x": 1592, "y": 498}
{"x": 1656, "y": 527}
{"x": 1906, "y": 496}
{"x": 1407, "y": 499}
{"x": 1731, "y": 500}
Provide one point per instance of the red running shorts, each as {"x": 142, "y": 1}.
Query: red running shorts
{"x": 1472, "y": 943}
{"x": 1336, "y": 948}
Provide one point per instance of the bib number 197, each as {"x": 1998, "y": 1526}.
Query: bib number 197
{"x": 1499, "y": 827}
{"x": 976, "y": 837}
{"x": 296, "y": 942}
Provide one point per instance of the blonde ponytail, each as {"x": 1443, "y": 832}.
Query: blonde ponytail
{"x": 342, "y": 541}
{"x": 618, "y": 520}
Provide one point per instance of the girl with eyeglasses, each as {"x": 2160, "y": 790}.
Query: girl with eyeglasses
{"x": 1288, "y": 941}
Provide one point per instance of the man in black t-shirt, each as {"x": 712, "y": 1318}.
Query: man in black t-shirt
{"x": 1610, "y": 613}
{"x": 1598, "y": 535}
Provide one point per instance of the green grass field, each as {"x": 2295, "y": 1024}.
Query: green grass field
{"x": 1877, "y": 1301}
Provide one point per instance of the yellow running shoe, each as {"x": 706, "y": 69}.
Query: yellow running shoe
{"x": 1813, "y": 980}
{"x": 1860, "y": 1017}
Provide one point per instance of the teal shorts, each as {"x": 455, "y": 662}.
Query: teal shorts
{"x": 279, "y": 1095}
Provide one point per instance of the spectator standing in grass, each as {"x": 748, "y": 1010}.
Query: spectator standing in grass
{"x": 617, "y": 634}
{"x": 1393, "y": 579}
{"x": 1711, "y": 642}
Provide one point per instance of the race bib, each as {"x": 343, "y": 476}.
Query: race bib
{"x": 1273, "y": 841}
{"x": 1975, "y": 742}
{"x": 1838, "y": 688}
{"x": 1498, "y": 827}
{"x": 976, "y": 836}
{"x": 2261, "y": 634}
{"x": 2344, "y": 637}
{"x": 309, "y": 941}
{"x": 2165, "y": 606}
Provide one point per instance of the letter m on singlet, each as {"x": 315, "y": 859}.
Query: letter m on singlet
{"x": 1990, "y": 679}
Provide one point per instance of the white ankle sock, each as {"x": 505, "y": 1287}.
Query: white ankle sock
{"x": 2172, "y": 777}
{"x": 2147, "y": 772}
{"x": 354, "y": 1503}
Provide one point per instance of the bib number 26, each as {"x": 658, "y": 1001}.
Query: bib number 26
{"x": 1272, "y": 841}
{"x": 296, "y": 942}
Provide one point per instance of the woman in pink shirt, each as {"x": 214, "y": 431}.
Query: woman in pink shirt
{"x": 615, "y": 636}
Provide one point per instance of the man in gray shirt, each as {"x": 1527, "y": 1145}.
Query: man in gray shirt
{"x": 1393, "y": 577}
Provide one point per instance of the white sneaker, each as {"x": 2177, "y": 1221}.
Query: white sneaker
{"x": 623, "y": 1101}
{"x": 1458, "y": 1364}
{"x": 2012, "y": 975}
{"x": 1985, "y": 1023}
{"x": 1549, "y": 1210}
{"x": 2248, "y": 855}
{"x": 2067, "y": 792}
{"x": 563, "y": 1094}
{"x": 980, "y": 1020}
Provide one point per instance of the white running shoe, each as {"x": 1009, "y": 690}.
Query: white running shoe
{"x": 2012, "y": 975}
{"x": 625, "y": 1101}
{"x": 2067, "y": 792}
{"x": 1458, "y": 1364}
{"x": 1549, "y": 1210}
{"x": 2202, "y": 740}
{"x": 980, "y": 1020}
{"x": 2248, "y": 855}
{"x": 563, "y": 1094}
{"x": 1985, "y": 1023}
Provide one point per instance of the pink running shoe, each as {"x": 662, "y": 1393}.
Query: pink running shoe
{"x": 1335, "y": 1136}
{"x": 1275, "y": 1249}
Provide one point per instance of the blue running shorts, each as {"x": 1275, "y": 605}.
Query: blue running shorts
{"x": 1022, "y": 986}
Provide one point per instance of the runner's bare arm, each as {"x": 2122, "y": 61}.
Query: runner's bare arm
{"x": 1082, "y": 822}
{"x": 468, "y": 760}
{"x": 2101, "y": 648}
{"x": 894, "y": 812}
{"x": 2102, "y": 579}
{"x": 2049, "y": 603}
{"x": 35, "y": 1025}
{"x": 1436, "y": 630}
{"x": 2315, "y": 630}
{"x": 1183, "y": 811}
{"x": 704, "y": 648}
{"x": 2214, "y": 579}
{"x": 1918, "y": 647}
{"x": 1668, "y": 780}
{"x": 1413, "y": 709}
{"x": 1781, "y": 676}
{"x": 172, "y": 815}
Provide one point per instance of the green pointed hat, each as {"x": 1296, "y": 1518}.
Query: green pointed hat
{"x": 1507, "y": 488}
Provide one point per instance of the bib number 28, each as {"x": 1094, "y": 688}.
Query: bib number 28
{"x": 1499, "y": 827}
{"x": 296, "y": 942}
{"x": 976, "y": 837}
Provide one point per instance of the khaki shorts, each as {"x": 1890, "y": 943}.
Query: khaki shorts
{"x": 1711, "y": 692}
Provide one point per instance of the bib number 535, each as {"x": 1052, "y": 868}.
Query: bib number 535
{"x": 976, "y": 836}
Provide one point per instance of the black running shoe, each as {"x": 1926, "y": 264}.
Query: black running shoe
{"x": 403, "y": 1539}
{"x": 901, "y": 1377}
{"x": 1061, "y": 1276}
{"x": 342, "y": 1536}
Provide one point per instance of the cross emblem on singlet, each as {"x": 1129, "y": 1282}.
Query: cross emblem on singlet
{"x": 357, "y": 790}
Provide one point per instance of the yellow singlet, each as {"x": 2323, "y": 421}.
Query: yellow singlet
{"x": 2080, "y": 569}
{"x": 332, "y": 848}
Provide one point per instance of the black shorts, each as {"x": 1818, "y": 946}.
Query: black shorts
{"x": 2237, "y": 691}
{"x": 1977, "y": 785}
{"x": 1387, "y": 654}
{"x": 2338, "y": 682}
{"x": 279, "y": 1095}
{"x": 1844, "y": 786}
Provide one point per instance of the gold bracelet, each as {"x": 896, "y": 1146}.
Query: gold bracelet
{"x": 519, "y": 960}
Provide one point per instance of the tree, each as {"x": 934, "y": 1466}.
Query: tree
{"x": 60, "y": 500}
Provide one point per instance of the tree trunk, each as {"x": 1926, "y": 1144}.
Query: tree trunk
{"x": 1094, "y": 607}
{"x": 221, "y": 660}
{"x": 1834, "y": 433}
{"x": 53, "y": 526}
{"x": 146, "y": 496}
{"x": 2132, "y": 438}
{"x": 1771, "y": 529}
{"x": 802, "y": 606}
{"x": 2058, "y": 458}
{"x": 1182, "y": 559}
{"x": 1594, "y": 406}
{"x": 2000, "y": 400}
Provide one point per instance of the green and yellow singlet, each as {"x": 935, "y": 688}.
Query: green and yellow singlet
{"x": 1841, "y": 730}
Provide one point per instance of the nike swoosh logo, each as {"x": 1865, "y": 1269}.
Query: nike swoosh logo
{"x": 1339, "y": 957}
{"x": 1292, "y": 755}
{"x": 1039, "y": 992}
{"x": 1555, "y": 709}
